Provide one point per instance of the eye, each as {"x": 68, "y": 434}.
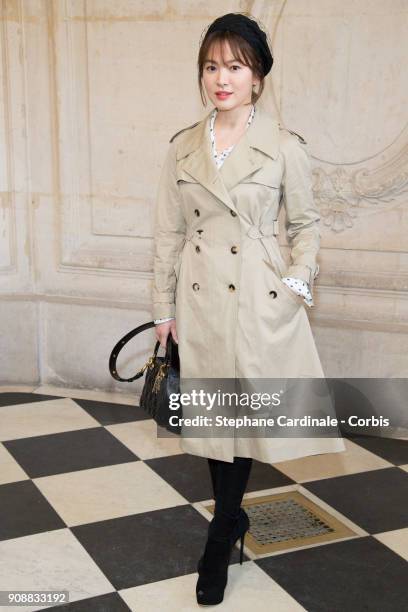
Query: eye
{"x": 236, "y": 66}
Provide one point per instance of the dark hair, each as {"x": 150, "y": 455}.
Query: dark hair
{"x": 241, "y": 50}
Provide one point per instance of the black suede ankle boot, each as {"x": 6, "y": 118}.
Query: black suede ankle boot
{"x": 230, "y": 523}
{"x": 213, "y": 565}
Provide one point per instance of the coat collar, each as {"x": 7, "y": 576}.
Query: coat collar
{"x": 194, "y": 147}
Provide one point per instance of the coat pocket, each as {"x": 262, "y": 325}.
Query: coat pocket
{"x": 294, "y": 297}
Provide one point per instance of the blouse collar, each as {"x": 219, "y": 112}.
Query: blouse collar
{"x": 212, "y": 121}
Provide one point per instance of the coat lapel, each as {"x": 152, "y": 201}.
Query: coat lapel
{"x": 199, "y": 162}
{"x": 262, "y": 135}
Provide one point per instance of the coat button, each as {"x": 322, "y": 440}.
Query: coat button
{"x": 273, "y": 294}
{"x": 233, "y": 213}
{"x": 234, "y": 249}
{"x": 196, "y": 286}
{"x": 231, "y": 287}
{"x": 197, "y": 212}
{"x": 200, "y": 232}
{"x": 198, "y": 249}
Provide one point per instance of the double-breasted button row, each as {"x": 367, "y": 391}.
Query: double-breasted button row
{"x": 234, "y": 250}
{"x": 196, "y": 287}
{"x": 231, "y": 287}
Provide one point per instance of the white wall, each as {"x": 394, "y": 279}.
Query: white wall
{"x": 92, "y": 90}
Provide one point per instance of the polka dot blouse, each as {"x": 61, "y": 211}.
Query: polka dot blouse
{"x": 299, "y": 286}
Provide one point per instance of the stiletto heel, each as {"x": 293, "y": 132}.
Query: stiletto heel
{"x": 241, "y": 552}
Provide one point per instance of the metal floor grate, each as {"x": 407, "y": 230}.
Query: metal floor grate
{"x": 288, "y": 520}
{"x": 280, "y": 520}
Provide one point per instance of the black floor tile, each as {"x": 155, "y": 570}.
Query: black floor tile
{"x": 390, "y": 449}
{"x": 358, "y": 575}
{"x": 375, "y": 500}
{"x": 107, "y": 413}
{"x": 266, "y": 476}
{"x": 12, "y": 398}
{"x": 147, "y": 547}
{"x": 68, "y": 451}
{"x": 111, "y": 602}
{"x": 25, "y": 511}
{"x": 190, "y": 475}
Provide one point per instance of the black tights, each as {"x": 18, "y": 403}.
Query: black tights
{"x": 229, "y": 482}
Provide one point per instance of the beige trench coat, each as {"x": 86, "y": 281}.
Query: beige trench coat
{"x": 218, "y": 268}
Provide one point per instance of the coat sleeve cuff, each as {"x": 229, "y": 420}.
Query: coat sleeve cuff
{"x": 162, "y": 310}
{"x": 304, "y": 272}
{"x": 158, "y": 321}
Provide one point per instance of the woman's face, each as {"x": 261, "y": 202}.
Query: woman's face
{"x": 232, "y": 77}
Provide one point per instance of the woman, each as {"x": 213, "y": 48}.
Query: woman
{"x": 218, "y": 271}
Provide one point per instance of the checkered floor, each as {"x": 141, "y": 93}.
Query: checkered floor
{"x": 92, "y": 502}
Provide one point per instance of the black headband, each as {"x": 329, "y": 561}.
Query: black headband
{"x": 248, "y": 29}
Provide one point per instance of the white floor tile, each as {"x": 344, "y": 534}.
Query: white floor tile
{"x": 42, "y": 418}
{"x": 315, "y": 467}
{"x": 141, "y": 438}
{"x": 396, "y": 540}
{"x": 248, "y": 588}
{"x": 108, "y": 492}
{"x": 53, "y": 560}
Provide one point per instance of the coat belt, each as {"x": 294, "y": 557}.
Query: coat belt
{"x": 264, "y": 229}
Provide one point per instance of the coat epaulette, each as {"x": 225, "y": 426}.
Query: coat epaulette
{"x": 183, "y": 130}
{"x": 301, "y": 139}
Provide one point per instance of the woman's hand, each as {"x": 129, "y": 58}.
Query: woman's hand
{"x": 163, "y": 330}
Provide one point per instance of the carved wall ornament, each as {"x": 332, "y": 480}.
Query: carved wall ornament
{"x": 344, "y": 194}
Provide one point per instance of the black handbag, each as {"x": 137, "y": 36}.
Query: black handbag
{"x": 162, "y": 379}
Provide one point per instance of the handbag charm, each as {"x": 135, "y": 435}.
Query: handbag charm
{"x": 162, "y": 379}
